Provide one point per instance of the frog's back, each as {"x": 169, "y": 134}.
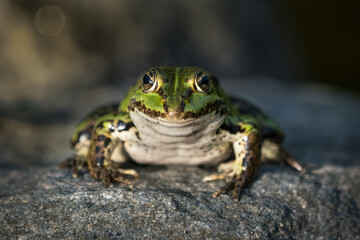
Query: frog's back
{"x": 268, "y": 127}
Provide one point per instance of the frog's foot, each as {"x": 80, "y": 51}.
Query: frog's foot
{"x": 235, "y": 179}
{"x": 235, "y": 183}
{"x": 126, "y": 176}
{"x": 76, "y": 164}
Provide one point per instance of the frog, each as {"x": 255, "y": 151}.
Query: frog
{"x": 178, "y": 116}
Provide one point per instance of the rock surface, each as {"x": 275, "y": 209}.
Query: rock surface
{"x": 323, "y": 131}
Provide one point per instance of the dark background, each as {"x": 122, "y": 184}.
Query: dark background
{"x": 49, "y": 46}
{"x": 60, "y": 59}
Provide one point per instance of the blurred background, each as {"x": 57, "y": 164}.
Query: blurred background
{"x": 61, "y": 58}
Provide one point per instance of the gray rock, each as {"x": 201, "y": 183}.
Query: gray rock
{"x": 172, "y": 202}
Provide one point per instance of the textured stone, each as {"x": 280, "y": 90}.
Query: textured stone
{"x": 173, "y": 203}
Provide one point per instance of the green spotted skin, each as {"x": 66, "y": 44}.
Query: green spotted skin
{"x": 177, "y": 115}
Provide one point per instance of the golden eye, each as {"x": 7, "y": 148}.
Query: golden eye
{"x": 202, "y": 82}
{"x": 149, "y": 82}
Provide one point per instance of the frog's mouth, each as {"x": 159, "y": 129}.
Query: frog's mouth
{"x": 179, "y": 116}
{"x": 172, "y": 119}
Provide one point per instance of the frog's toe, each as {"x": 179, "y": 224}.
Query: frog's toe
{"x": 239, "y": 187}
{"x": 126, "y": 176}
{"x": 228, "y": 186}
{"x": 214, "y": 177}
{"x": 102, "y": 175}
{"x": 232, "y": 182}
{"x": 235, "y": 183}
{"x": 294, "y": 163}
{"x": 225, "y": 172}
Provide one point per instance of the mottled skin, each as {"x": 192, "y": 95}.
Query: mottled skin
{"x": 173, "y": 97}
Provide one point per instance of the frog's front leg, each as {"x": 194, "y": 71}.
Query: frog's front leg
{"x": 105, "y": 137}
{"x": 246, "y": 141}
{"x": 81, "y": 138}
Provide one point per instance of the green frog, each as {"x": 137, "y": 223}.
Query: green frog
{"x": 178, "y": 115}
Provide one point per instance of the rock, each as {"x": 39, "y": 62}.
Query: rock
{"x": 172, "y": 202}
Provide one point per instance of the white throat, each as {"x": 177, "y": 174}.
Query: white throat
{"x": 182, "y": 131}
{"x": 187, "y": 142}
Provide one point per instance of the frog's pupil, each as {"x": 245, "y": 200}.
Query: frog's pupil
{"x": 147, "y": 80}
{"x": 203, "y": 83}
{"x": 204, "y": 80}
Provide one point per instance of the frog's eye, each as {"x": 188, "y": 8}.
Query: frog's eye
{"x": 202, "y": 82}
{"x": 149, "y": 82}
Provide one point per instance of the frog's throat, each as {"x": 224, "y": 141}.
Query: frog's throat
{"x": 159, "y": 129}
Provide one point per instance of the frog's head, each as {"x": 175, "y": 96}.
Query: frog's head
{"x": 177, "y": 95}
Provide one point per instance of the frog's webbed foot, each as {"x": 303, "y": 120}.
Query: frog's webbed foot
{"x": 234, "y": 180}
{"x": 76, "y": 163}
{"x": 235, "y": 183}
{"x": 126, "y": 176}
